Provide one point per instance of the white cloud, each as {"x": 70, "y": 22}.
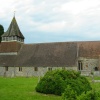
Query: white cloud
{"x": 65, "y": 17}
{"x": 52, "y": 27}
{"x": 80, "y": 6}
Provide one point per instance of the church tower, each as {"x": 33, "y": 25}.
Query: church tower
{"x": 12, "y": 39}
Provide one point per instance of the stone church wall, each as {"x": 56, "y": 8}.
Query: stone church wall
{"x": 29, "y": 71}
{"x": 89, "y": 64}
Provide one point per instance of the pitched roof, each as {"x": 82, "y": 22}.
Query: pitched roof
{"x": 89, "y": 49}
{"x": 7, "y": 60}
{"x": 7, "y": 47}
{"x": 13, "y": 30}
{"x": 52, "y": 54}
{"x": 43, "y": 55}
{"x": 47, "y": 54}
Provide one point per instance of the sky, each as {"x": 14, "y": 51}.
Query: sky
{"x": 42, "y": 21}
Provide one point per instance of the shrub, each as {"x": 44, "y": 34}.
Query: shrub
{"x": 56, "y": 81}
{"x": 69, "y": 94}
{"x": 89, "y": 95}
{"x": 80, "y": 84}
{"x": 51, "y": 83}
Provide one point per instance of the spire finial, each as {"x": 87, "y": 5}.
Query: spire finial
{"x": 14, "y": 13}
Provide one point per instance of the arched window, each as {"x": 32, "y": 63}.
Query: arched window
{"x": 96, "y": 68}
{"x": 80, "y": 65}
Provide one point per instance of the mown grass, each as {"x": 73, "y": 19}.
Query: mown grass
{"x": 22, "y": 89}
{"x": 95, "y": 85}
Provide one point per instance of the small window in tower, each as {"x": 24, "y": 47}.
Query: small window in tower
{"x": 22, "y": 40}
{"x": 3, "y": 38}
{"x": 13, "y": 37}
{"x": 9, "y": 38}
{"x": 17, "y": 38}
{"x": 6, "y": 38}
{"x": 20, "y": 68}
{"x": 35, "y": 68}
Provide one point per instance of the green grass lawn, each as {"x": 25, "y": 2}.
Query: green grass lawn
{"x": 22, "y": 89}
{"x": 95, "y": 85}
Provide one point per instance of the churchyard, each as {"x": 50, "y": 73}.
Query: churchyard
{"x": 22, "y": 88}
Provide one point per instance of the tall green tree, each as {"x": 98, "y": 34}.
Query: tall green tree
{"x": 1, "y": 31}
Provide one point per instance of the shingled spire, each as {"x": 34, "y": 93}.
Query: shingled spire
{"x": 12, "y": 39}
{"x": 13, "y": 33}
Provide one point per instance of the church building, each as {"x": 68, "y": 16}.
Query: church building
{"x": 20, "y": 59}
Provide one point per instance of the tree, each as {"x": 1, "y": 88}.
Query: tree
{"x": 1, "y": 31}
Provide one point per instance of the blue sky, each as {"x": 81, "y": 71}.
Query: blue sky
{"x": 53, "y": 20}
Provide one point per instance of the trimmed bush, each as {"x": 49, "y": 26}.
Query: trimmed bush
{"x": 69, "y": 94}
{"x": 51, "y": 83}
{"x": 56, "y": 81}
{"x": 89, "y": 95}
{"x": 80, "y": 84}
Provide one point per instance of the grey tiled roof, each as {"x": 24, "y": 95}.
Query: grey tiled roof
{"x": 52, "y": 54}
{"x": 7, "y": 60}
{"x": 47, "y": 54}
{"x": 13, "y": 30}
{"x": 43, "y": 55}
{"x": 89, "y": 49}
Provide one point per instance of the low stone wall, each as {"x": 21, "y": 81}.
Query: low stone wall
{"x": 88, "y": 73}
{"x": 85, "y": 72}
{"x": 96, "y": 73}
